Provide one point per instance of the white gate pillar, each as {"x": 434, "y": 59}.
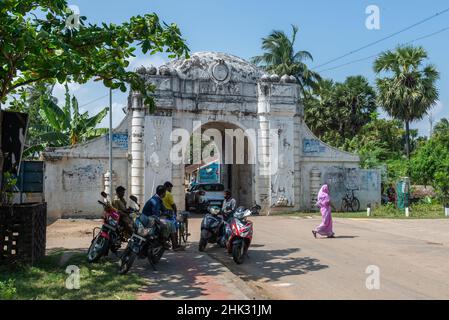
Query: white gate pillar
{"x": 137, "y": 147}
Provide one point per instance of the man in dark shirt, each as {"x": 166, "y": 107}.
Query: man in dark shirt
{"x": 155, "y": 207}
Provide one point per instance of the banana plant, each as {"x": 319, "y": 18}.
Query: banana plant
{"x": 65, "y": 126}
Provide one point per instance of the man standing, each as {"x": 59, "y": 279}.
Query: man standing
{"x": 229, "y": 204}
{"x": 155, "y": 207}
{"x": 119, "y": 203}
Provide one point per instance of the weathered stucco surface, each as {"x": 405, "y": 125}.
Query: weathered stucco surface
{"x": 221, "y": 92}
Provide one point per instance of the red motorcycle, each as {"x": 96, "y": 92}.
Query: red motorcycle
{"x": 239, "y": 233}
{"x": 109, "y": 237}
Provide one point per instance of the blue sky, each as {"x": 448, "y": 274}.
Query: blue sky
{"x": 328, "y": 29}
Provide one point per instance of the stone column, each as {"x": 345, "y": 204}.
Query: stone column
{"x": 263, "y": 177}
{"x": 137, "y": 147}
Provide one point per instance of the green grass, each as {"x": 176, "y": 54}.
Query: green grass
{"x": 417, "y": 211}
{"x": 46, "y": 280}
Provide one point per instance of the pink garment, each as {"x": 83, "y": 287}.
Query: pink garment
{"x": 325, "y": 228}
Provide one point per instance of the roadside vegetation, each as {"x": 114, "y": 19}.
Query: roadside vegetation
{"x": 346, "y": 115}
{"x": 44, "y": 43}
{"x": 389, "y": 211}
{"x": 46, "y": 280}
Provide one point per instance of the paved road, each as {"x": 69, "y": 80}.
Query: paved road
{"x": 286, "y": 262}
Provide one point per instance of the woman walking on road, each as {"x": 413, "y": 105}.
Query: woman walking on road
{"x": 324, "y": 203}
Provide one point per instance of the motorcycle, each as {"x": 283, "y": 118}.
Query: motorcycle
{"x": 239, "y": 233}
{"x": 145, "y": 242}
{"x": 111, "y": 234}
{"x": 256, "y": 210}
{"x": 212, "y": 227}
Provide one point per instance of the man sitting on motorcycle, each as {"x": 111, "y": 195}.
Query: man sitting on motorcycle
{"x": 229, "y": 205}
{"x": 119, "y": 203}
{"x": 154, "y": 207}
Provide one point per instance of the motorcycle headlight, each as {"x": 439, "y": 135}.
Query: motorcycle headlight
{"x": 143, "y": 232}
{"x": 112, "y": 222}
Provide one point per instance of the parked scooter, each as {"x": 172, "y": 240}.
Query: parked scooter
{"x": 145, "y": 242}
{"x": 111, "y": 234}
{"x": 212, "y": 228}
{"x": 239, "y": 233}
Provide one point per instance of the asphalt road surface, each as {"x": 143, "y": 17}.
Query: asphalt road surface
{"x": 286, "y": 262}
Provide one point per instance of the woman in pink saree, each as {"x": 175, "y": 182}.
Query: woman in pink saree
{"x": 324, "y": 203}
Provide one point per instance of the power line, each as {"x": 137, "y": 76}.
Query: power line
{"x": 383, "y": 39}
{"x": 95, "y": 100}
{"x": 375, "y": 55}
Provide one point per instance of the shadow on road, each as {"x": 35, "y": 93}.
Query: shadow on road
{"x": 269, "y": 265}
{"x": 182, "y": 275}
{"x": 345, "y": 237}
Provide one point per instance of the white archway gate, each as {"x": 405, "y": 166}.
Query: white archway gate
{"x": 209, "y": 89}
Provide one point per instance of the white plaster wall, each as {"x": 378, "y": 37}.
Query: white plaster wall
{"x": 73, "y": 185}
{"x": 74, "y": 176}
{"x": 158, "y": 166}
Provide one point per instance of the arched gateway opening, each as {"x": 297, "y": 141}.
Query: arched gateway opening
{"x": 224, "y": 153}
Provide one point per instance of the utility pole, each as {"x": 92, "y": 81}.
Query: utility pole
{"x": 431, "y": 124}
{"x": 111, "y": 189}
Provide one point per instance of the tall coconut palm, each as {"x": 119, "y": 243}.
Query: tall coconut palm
{"x": 408, "y": 89}
{"x": 280, "y": 58}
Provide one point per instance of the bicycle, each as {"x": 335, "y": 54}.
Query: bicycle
{"x": 350, "y": 202}
{"x": 182, "y": 227}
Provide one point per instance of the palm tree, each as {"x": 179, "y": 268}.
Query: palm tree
{"x": 337, "y": 111}
{"x": 280, "y": 58}
{"x": 442, "y": 127}
{"x": 355, "y": 101}
{"x": 65, "y": 126}
{"x": 408, "y": 90}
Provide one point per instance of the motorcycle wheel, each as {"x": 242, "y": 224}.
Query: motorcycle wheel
{"x": 126, "y": 261}
{"x": 238, "y": 253}
{"x": 202, "y": 245}
{"x": 97, "y": 249}
{"x": 155, "y": 258}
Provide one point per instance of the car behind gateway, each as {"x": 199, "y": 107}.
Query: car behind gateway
{"x": 200, "y": 196}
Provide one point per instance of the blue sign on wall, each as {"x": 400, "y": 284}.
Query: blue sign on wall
{"x": 209, "y": 173}
{"x": 119, "y": 140}
{"x": 312, "y": 146}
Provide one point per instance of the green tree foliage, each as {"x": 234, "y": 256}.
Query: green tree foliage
{"x": 430, "y": 166}
{"x": 338, "y": 111}
{"x": 408, "y": 90}
{"x": 37, "y": 46}
{"x": 62, "y": 126}
{"x": 430, "y": 163}
{"x": 378, "y": 141}
{"x": 280, "y": 57}
{"x": 441, "y": 132}
{"x": 29, "y": 100}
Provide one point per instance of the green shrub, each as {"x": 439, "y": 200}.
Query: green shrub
{"x": 7, "y": 290}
